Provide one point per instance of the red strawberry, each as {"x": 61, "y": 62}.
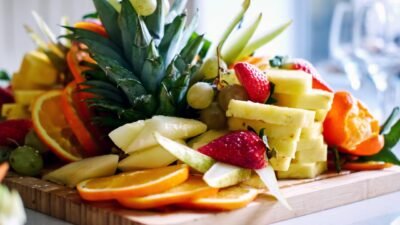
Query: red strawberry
{"x": 254, "y": 81}
{"x": 303, "y": 65}
{"x": 241, "y": 148}
{"x": 14, "y": 131}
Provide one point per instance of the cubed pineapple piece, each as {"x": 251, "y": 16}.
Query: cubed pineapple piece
{"x": 150, "y": 158}
{"x": 206, "y": 138}
{"x": 19, "y": 82}
{"x": 312, "y": 143}
{"x": 170, "y": 127}
{"x": 312, "y": 155}
{"x": 312, "y": 131}
{"x": 320, "y": 115}
{"x": 312, "y": 100}
{"x": 280, "y": 162}
{"x": 271, "y": 130}
{"x": 290, "y": 81}
{"x": 26, "y": 97}
{"x": 283, "y": 146}
{"x": 124, "y": 135}
{"x": 15, "y": 111}
{"x": 36, "y": 68}
{"x": 270, "y": 113}
{"x": 303, "y": 170}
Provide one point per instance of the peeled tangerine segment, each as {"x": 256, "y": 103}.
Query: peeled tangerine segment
{"x": 170, "y": 127}
{"x": 191, "y": 157}
{"x": 226, "y": 199}
{"x": 312, "y": 100}
{"x": 73, "y": 173}
{"x": 124, "y": 135}
{"x": 206, "y": 138}
{"x": 153, "y": 157}
{"x": 270, "y": 114}
{"x": 222, "y": 175}
{"x": 271, "y": 130}
{"x": 191, "y": 189}
{"x": 290, "y": 81}
{"x": 303, "y": 170}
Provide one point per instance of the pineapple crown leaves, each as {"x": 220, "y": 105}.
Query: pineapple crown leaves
{"x": 148, "y": 61}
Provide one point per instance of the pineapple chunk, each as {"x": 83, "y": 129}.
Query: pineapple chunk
{"x": 206, "y": 138}
{"x": 271, "y": 130}
{"x": 36, "y": 68}
{"x": 312, "y": 155}
{"x": 25, "y": 97}
{"x": 270, "y": 114}
{"x": 290, "y": 81}
{"x": 150, "y": 158}
{"x": 170, "y": 127}
{"x": 283, "y": 147}
{"x": 15, "y": 111}
{"x": 320, "y": 115}
{"x": 313, "y": 143}
{"x": 312, "y": 131}
{"x": 19, "y": 82}
{"x": 313, "y": 100}
{"x": 303, "y": 170}
{"x": 280, "y": 162}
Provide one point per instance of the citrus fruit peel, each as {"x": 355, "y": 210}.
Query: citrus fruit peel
{"x": 133, "y": 184}
{"x": 191, "y": 189}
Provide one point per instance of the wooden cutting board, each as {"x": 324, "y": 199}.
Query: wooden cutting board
{"x": 305, "y": 196}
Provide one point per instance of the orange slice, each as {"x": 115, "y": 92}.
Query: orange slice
{"x": 3, "y": 170}
{"x": 193, "y": 188}
{"x": 133, "y": 184}
{"x": 226, "y": 199}
{"x": 52, "y": 128}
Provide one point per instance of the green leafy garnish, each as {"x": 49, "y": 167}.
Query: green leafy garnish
{"x": 4, "y": 75}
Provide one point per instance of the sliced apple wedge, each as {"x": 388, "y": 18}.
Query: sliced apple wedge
{"x": 171, "y": 127}
{"x": 73, "y": 173}
{"x": 124, "y": 135}
{"x": 150, "y": 158}
{"x": 206, "y": 138}
{"x": 191, "y": 157}
{"x": 222, "y": 175}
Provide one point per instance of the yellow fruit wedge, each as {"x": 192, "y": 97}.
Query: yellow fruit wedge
{"x": 271, "y": 130}
{"x": 36, "y": 68}
{"x": 312, "y": 131}
{"x": 26, "y": 97}
{"x": 313, "y": 143}
{"x": 133, "y": 184}
{"x": 15, "y": 111}
{"x": 290, "y": 81}
{"x": 311, "y": 155}
{"x": 93, "y": 167}
{"x": 191, "y": 189}
{"x": 312, "y": 100}
{"x": 124, "y": 135}
{"x": 320, "y": 115}
{"x": 226, "y": 199}
{"x": 303, "y": 170}
{"x": 270, "y": 113}
{"x": 280, "y": 162}
{"x": 283, "y": 146}
{"x": 19, "y": 82}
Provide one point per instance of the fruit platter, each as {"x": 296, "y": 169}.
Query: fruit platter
{"x": 130, "y": 116}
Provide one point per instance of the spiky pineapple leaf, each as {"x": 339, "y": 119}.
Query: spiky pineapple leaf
{"x": 95, "y": 74}
{"x": 140, "y": 46}
{"x": 166, "y": 106}
{"x": 173, "y": 35}
{"x": 190, "y": 30}
{"x": 176, "y": 9}
{"x": 128, "y": 22}
{"x": 106, "y": 94}
{"x": 109, "y": 18}
{"x": 102, "y": 85}
{"x": 188, "y": 53}
{"x": 155, "y": 22}
{"x": 153, "y": 70}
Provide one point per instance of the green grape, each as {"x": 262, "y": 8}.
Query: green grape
{"x": 213, "y": 116}
{"x": 4, "y": 153}
{"x": 144, "y": 7}
{"x": 26, "y": 160}
{"x": 209, "y": 69}
{"x": 200, "y": 95}
{"x": 32, "y": 140}
{"x": 230, "y": 92}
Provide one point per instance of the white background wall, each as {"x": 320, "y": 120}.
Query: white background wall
{"x": 215, "y": 15}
